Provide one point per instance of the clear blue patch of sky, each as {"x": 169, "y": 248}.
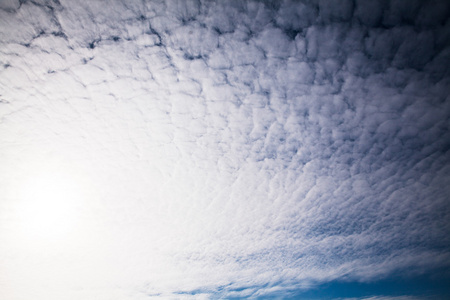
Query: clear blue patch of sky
{"x": 434, "y": 285}
{"x": 431, "y": 286}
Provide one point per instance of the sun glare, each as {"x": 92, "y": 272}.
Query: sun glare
{"x": 48, "y": 206}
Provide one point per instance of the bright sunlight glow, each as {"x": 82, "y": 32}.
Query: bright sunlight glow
{"x": 48, "y": 206}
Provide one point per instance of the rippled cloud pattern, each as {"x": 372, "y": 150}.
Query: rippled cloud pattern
{"x": 226, "y": 148}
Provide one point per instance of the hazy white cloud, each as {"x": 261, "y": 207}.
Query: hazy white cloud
{"x": 222, "y": 149}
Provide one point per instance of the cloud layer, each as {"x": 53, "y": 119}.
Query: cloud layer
{"x": 226, "y": 148}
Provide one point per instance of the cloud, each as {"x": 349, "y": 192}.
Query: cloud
{"x": 232, "y": 149}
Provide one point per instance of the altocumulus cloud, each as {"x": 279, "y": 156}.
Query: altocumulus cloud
{"x": 221, "y": 148}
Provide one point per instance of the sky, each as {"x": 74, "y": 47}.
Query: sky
{"x": 224, "y": 149}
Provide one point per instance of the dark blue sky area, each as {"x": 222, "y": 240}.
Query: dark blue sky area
{"x": 434, "y": 285}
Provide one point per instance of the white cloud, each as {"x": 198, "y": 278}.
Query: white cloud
{"x": 223, "y": 149}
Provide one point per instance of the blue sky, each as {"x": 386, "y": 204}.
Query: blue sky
{"x": 420, "y": 287}
{"x": 224, "y": 149}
